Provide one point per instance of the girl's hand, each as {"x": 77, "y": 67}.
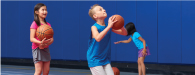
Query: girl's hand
{"x": 42, "y": 46}
{"x": 45, "y": 41}
{"x": 144, "y": 52}
{"x": 117, "y": 42}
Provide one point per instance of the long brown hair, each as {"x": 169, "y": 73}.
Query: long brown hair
{"x": 36, "y": 17}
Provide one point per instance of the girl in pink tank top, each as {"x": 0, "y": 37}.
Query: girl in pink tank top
{"x": 40, "y": 50}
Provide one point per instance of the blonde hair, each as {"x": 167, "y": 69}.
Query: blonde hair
{"x": 91, "y": 11}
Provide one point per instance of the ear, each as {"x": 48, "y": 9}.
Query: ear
{"x": 94, "y": 16}
{"x": 36, "y": 12}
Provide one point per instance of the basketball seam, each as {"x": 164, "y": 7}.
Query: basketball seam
{"x": 41, "y": 32}
{"x": 47, "y": 30}
{"x": 38, "y": 32}
{"x": 48, "y": 34}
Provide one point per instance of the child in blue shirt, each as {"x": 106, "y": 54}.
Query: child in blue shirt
{"x": 99, "y": 49}
{"x": 140, "y": 44}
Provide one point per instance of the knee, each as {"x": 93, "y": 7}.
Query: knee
{"x": 138, "y": 62}
{"x": 141, "y": 62}
{"x": 37, "y": 73}
{"x": 46, "y": 72}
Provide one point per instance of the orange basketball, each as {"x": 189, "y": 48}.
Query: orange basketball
{"x": 44, "y": 31}
{"x": 116, "y": 71}
{"x": 120, "y": 22}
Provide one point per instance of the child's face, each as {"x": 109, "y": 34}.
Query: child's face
{"x": 100, "y": 12}
{"x": 42, "y": 12}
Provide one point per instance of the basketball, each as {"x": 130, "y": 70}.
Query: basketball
{"x": 44, "y": 31}
{"x": 116, "y": 71}
{"x": 120, "y": 22}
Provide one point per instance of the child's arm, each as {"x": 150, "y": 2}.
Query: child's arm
{"x": 144, "y": 42}
{"x": 124, "y": 41}
{"x": 99, "y": 36}
{"x": 121, "y": 31}
{"x": 32, "y": 34}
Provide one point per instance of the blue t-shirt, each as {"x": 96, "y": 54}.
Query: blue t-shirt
{"x": 99, "y": 53}
{"x": 138, "y": 43}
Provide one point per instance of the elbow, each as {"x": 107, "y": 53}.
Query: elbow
{"x": 30, "y": 39}
{"x": 124, "y": 33}
{"x": 144, "y": 41}
{"x": 97, "y": 39}
{"x": 128, "y": 41}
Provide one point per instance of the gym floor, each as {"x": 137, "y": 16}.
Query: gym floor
{"x": 29, "y": 70}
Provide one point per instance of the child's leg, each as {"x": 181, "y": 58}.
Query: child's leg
{"x": 98, "y": 70}
{"x": 108, "y": 69}
{"x": 46, "y": 67}
{"x": 139, "y": 67}
{"x": 143, "y": 68}
{"x": 38, "y": 68}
